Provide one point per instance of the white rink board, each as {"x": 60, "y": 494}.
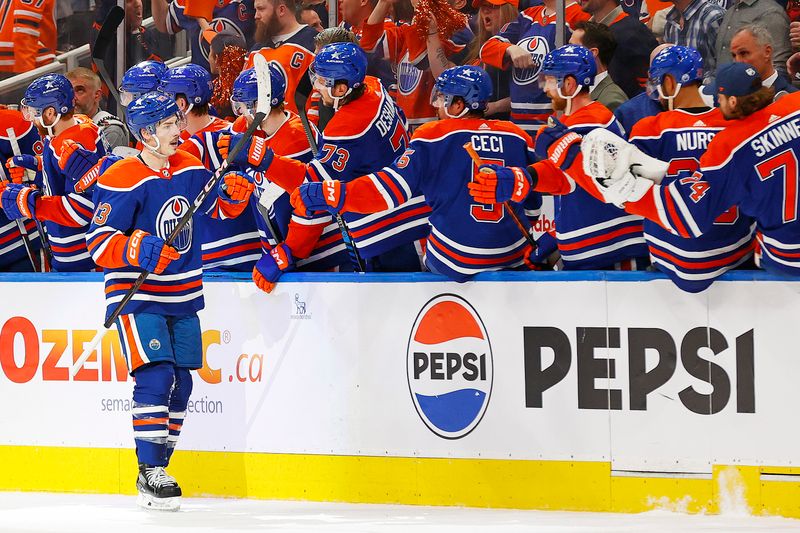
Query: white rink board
{"x": 334, "y": 380}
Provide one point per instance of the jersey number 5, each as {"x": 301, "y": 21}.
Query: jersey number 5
{"x": 482, "y": 212}
{"x": 785, "y": 163}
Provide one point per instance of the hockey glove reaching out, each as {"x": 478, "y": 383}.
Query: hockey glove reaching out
{"x": 319, "y": 196}
{"x": 16, "y": 166}
{"x": 495, "y": 184}
{"x": 553, "y": 131}
{"x": 271, "y": 266}
{"x": 149, "y": 252}
{"x": 75, "y": 160}
{"x": 255, "y": 154}
{"x": 19, "y": 201}
{"x": 235, "y": 188}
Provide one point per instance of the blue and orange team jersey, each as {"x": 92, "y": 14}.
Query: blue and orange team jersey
{"x": 232, "y": 16}
{"x": 377, "y": 61}
{"x": 589, "y": 233}
{"x": 465, "y": 237}
{"x": 534, "y": 30}
{"x": 288, "y": 140}
{"x": 27, "y": 34}
{"x": 403, "y": 46}
{"x": 230, "y": 244}
{"x": 293, "y": 56}
{"x": 130, "y": 196}
{"x": 68, "y": 242}
{"x": 12, "y": 248}
{"x": 681, "y": 137}
{"x": 753, "y": 164}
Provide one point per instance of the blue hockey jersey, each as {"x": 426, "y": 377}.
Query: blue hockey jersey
{"x": 681, "y": 138}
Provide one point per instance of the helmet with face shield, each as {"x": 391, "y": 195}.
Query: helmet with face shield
{"x": 683, "y": 63}
{"x": 470, "y": 83}
{"x": 148, "y": 112}
{"x": 339, "y": 63}
{"x": 51, "y": 90}
{"x": 570, "y": 60}
{"x": 244, "y": 95}
{"x": 139, "y": 79}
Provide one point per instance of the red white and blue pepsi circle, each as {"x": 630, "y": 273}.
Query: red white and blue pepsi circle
{"x": 449, "y": 366}
{"x": 168, "y": 217}
{"x": 538, "y": 47}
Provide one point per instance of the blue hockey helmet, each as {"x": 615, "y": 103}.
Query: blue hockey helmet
{"x": 466, "y": 81}
{"x": 139, "y": 79}
{"x": 147, "y": 111}
{"x": 51, "y": 90}
{"x": 244, "y": 95}
{"x": 683, "y": 63}
{"x": 570, "y": 60}
{"x": 340, "y": 62}
{"x": 191, "y": 80}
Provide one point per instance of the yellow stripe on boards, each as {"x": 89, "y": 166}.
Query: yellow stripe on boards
{"x": 554, "y": 485}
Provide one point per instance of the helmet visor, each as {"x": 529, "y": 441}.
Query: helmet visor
{"x": 439, "y": 100}
{"x": 652, "y": 87}
{"x": 126, "y": 97}
{"x": 177, "y": 120}
{"x": 243, "y": 108}
{"x": 29, "y": 113}
{"x": 548, "y": 83}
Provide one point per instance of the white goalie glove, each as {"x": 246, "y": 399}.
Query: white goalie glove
{"x": 622, "y": 172}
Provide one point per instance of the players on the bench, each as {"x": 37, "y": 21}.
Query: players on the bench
{"x": 466, "y": 237}
{"x": 140, "y": 201}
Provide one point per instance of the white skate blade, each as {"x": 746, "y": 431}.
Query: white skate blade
{"x": 146, "y": 501}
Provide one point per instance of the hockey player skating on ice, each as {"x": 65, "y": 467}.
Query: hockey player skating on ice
{"x": 139, "y": 202}
{"x": 466, "y": 237}
{"x": 72, "y": 145}
{"x": 589, "y": 235}
{"x": 680, "y": 137}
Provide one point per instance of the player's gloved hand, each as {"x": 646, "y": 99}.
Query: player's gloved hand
{"x": 19, "y": 201}
{"x": 319, "y": 196}
{"x": 620, "y": 191}
{"x": 563, "y": 151}
{"x": 644, "y": 166}
{"x": 553, "y": 131}
{"x": 255, "y": 154}
{"x": 271, "y": 266}
{"x": 16, "y": 166}
{"x": 495, "y": 184}
{"x": 235, "y": 188}
{"x": 149, "y": 252}
{"x": 90, "y": 178}
{"x": 75, "y": 160}
{"x": 530, "y": 259}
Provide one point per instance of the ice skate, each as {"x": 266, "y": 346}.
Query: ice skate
{"x": 157, "y": 489}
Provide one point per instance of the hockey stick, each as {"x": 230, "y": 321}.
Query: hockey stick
{"x": 300, "y": 100}
{"x": 23, "y": 231}
{"x": 47, "y": 260}
{"x": 108, "y": 31}
{"x": 262, "y": 108}
{"x": 476, "y": 159}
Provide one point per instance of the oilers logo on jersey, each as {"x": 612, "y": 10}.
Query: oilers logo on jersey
{"x": 408, "y": 76}
{"x": 168, "y": 217}
{"x": 221, "y": 25}
{"x": 538, "y": 48}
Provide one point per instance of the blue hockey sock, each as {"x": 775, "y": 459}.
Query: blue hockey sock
{"x": 177, "y": 407}
{"x": 151, "y": 394}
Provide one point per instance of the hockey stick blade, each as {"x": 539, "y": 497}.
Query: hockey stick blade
{"x": 476, "y": 159}
{"x": 105, "y": 37}
{"x": 300, "y": 99}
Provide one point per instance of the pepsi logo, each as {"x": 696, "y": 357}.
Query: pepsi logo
{"x": 167, "y": 220}
{"x": 538, "y": 48}
{"x": 449, "y": 366}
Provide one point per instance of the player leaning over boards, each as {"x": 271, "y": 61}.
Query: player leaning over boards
{"x": 589, "y": 234}
{"x": 367, "y": 132}
{"x": 139, "y": 201}
{"x": 72, "y": 145}
{"x": 680, "y": 137}
{"x": 752, "y": 163}
{"x": 466, "y": 238}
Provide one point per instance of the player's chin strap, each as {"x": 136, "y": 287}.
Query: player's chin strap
{"x": 49, "y": 128}
{"x": 337, "y": 99}
{"x": 568, "y": 109}
{"x": 448, "y": 101}
{"x": 670, "y": 99}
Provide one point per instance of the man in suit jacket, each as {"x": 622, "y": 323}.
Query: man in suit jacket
{"x": 600, "y": 41}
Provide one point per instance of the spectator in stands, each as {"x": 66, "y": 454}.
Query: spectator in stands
{"x": 628, "y": 67}
{"x": 27, "y": 36}
{"x": 753, "y": 44}
{"x": 600, "y": 41}
{"x": 320, "y": 7}
{"x": 354, "y": 15}
{"x": 311, "y": 18}
{"x": 276, "y": 23}
{"x": 695, "y": 23}
{"x": 642, "y": 105}
{"x": 226, "y": 57}
{"x": 87, "y": 87}
{"x": 766, "y": 13}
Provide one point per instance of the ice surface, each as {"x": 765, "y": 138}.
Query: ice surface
{"x": 82, "y": 513}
